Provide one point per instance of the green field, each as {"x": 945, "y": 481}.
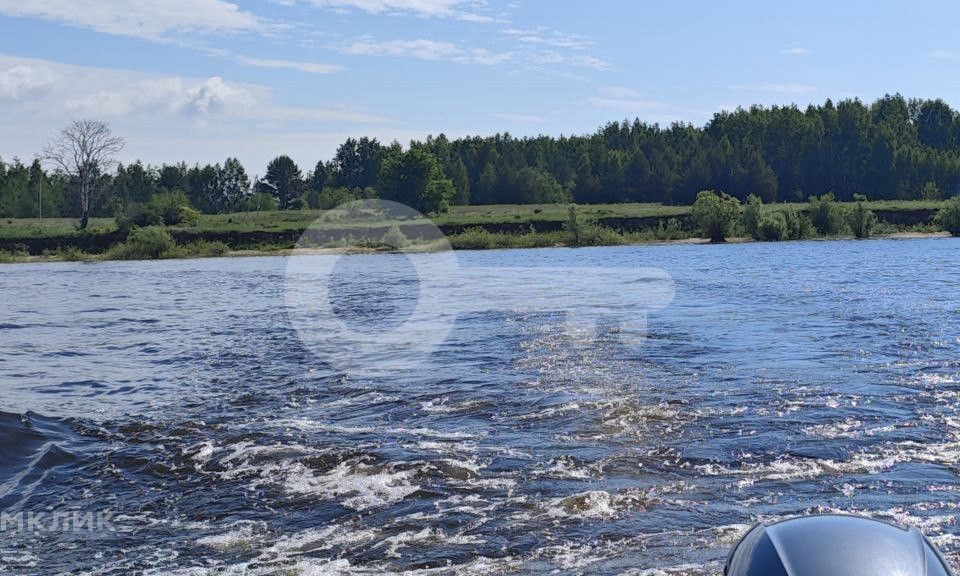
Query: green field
{"x": 458, "y": 215}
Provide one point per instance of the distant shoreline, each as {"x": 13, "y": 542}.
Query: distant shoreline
{"x": 335, "y": 251}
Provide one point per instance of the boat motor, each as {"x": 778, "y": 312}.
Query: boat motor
{"x": 834, "y": 545}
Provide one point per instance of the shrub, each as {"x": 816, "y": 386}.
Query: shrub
{"x": 333, "y": 197}
{"x": 715, "y": 214}
{"x": 588, "y": 233}
{"x": 752, "y": 216}
{"x": 144, "y": 244}
{"x": 773, "y": 227}
{"x": 572, "y": 226}
{"x": 596, "y": 235}
{"x": 931, "y": 191}
{"x": 206, "y": 248}
{"x": 948, "y": 217}
{"x": 476, "y": 238}
{"x": 173, "y": 208}
{"x": 394, "y": 238}
{"x": 259, "y": 202}
{"x": 17, "y": 253}
{"x": 826, "y": 215}
{"x": 861, "y": 219}
{"x": 798, "y": 224}
{"x": 72, "y": 254}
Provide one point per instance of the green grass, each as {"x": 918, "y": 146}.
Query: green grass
{"x": 458, "y": 215}
{"x": 32, "y": 227}
{"x": 505, "y": 213}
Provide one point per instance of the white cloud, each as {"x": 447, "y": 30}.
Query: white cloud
{"x": 776, "y": 88}
{"x": 459, "y": 9}
{"x": 521, "y": 118}
{"x": 626, "y": 105}
{"x": 618, "y": 92}
{"x": 139, "y": 18}
{"x": 23, "y": 81}
{"x": 796, "y": 51}
{"x": 944, "y": 55}
{"x": 309, "y": 67}
{"x": 38, "y": 97}
{"x": 549, "y": 37}
{"x": 421, "y": 49}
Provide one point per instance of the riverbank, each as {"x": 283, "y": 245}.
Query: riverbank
{"x": 7, "y": 258}
{"x": 464, "y": 227}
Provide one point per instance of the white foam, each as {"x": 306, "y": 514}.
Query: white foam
{"x": 355, "y": 485}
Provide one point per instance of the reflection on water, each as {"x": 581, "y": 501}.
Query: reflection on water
{"x": 783, "y": 379}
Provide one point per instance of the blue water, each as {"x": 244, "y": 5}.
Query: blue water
{"x": 181, "y": 401}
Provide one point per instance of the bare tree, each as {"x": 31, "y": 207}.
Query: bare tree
{"x": 83, "y": 150}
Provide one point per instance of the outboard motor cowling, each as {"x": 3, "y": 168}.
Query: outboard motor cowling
{"x": 834, "y": 545}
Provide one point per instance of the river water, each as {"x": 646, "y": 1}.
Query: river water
{"x": 172, "y": 418}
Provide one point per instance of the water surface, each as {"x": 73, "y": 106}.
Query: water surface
{"x": 783, "y": 379}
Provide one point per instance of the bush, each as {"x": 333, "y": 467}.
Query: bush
{"x": 580, "y": 233}
{"x": 259, "y": 202}
{"x": 144, "y": 244}
{"x": 72, "y": 254}
{"x": 715, "y": 214}
{"x": 173, "y": 208}
{"x": 596, "y": 235}
{"x": 861, "y": 220}
{"x": 798, "y": 225}
{"x": 826, "y": 215}
{"x": 931, "y": 191}
{"x": 333, "y": 197}
{"x": 17, "y": 253}
{"x": 752, "y": 216}
{"x": 773, "y": 227}
{"x": 169, "y": 208}
{"x": 476, "y": 238}
{"x": 572, "y": 226}
{"x": 394, "y": 238}
{"x": 948, "y": 217}
{"x": 205, "y": 248}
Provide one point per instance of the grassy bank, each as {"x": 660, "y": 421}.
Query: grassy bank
{"x": 466, "y": 227}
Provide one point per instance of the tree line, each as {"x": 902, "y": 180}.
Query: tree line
{"x": 894, "y": 148}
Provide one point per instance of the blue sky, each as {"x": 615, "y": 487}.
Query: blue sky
{"x": 201, "y": 80}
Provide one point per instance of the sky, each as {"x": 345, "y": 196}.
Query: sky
{"x": 203, "y": 80}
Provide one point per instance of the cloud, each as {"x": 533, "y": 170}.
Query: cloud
{"x": 549, "y": 37}
{"x": 458, "y": 9}
{"x": 553, "y": 57}
{"x": 625, "y": 99}
{"x": 776, "y": 88}
{"x": 421, "y": 49}
{"x": 944, "y": 55}
{"x": 169, "y": 118}
{"x": 138, "y": 18}
{"x": 795, "y": 51}
{"x": 633, "y": 103}
{"x": 46, "y": 88}
{"x": 309, "y": 67}
{"x": 21, "y": 81}
{"x": 626, "y": 105}
{"x": 520, "y": 118}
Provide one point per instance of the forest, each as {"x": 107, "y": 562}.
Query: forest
{"x": 894, "y": 148}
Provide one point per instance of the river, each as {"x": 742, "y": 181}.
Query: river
{"x": 176, "y": 417}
